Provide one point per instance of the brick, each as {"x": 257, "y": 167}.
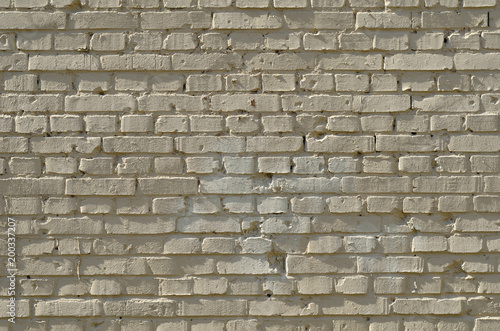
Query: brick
{"x": 297, "y": 264}
{"x": 242, "y": 20}
{"x": 25, "y": 165}
{"x": 274, "y": 144}
{"x": 427, "y": 40}
{"x": 137, "y": 144}
{"x": 168, "y": 185}
{"x": 201, "y": 144}
{"x": 20, "y": 82}
{"x": 32, "y": 20}
{"x": 485, "y": 163}
{"x": 429, "y": 306}
{"x": 167, "y": 82}
{"x": 242, "y": 82}
{"x": 374, "y": 184}
{"x": 382, "y": 204}
{"x": 239, "y": 165}
{"x": 431, "y": 62}
{"x": 58, "y": 225}
{"x": 349, "y": 82}
{"x": 344, "y": 204}
{"x": 487, "y": 323}
{"x": 100, "y": 123}
{"x": 319, "y": 20}
{"x": 97, "y": 166}
{"x": 402, "y": 264}
{"x": 277, "y": 123}
{"x": 408, "y": 143}
{"x": 107, "y": 42}
{"x": 282, "y": 41}
{"x": 351, "y": 285}
{"x": 23, "y": 206}
{"x": 100, "y": 103}
{"x": 227, "y": 185}
{"x": 160, "y": 102}
{"x": 319, "y": 83}
{"x": 212, "y": 307}
{"x": 320, "y": 41}
{"x": 483, "y": 3}
{"x": 350, "y": 62}
{"x": 453, "y": 164}
{"x": 308, "y": 165}
{"x": 102, "y": 20}
{"x": 355, "y": 306}
{"x": 307, "y": 205}
{"x": 274, "y": 61}
{"x": 315, "y": 285}
{"x": 379, "y": 20}
{"x": 327, "y": 3}
{"x": 71, "y": 41}
{"x": 324, "y": 244}
{"x": 134, "y": 165}
{"x": 131, "y": 82}
{"x": 378, "y": 164}
{"x": 132, "y": 307}
{"x": 469, "y": 40}
{"x": 376, "y": 103}
{"x": 317, "y": 103}
{"x": 100, "y": 186}
{"x": 423, "y": 82}
{"x": 246, "y": 102}
{"x": 474, "y": 143}
{"x": 64, "y": 62}
{"x": 211, "y": 224}
{"x": 274, "y": 165}
{"x": 39, "y": 103}
{"x": 449, "y": 103}
{"x": 137, "y": 123}
{"x": 450, "y": 19}
{"x": 135, "y": 225}
{"x": 455, "y": 204}
{"x": 306, "y": 185}
{"x": 463, "y": 244}
{"x": 179, "y": 41}
{"x": 452, "y": 123}
{"x": 446, "y": 184}
{"x": 200, "y": 83}
{"x": 377, "y": 123}
{"x": 136, "y": 62}
{"x": 466, "y": 61}
{"x": 55, "y": 82}
{"x": 60, "y": 165}
{"x": 340, "y": 144}
{"x": 415, "y": 164}
{"x": 213, "y": 61}
{"x": 201, "y": 165}
{"x": 32, "y": 186}
{"x": 356, "y": 41}
{"x": 278, "y": 83}
{"x": 68, "y": 307}
{"x": 419, "y": 205}
{"x": 453, "y": 82}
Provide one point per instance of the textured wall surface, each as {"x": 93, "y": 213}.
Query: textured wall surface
{"x": 251, "y": 164}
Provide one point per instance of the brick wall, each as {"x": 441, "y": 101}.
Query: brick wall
{"x": 251, "y": 164}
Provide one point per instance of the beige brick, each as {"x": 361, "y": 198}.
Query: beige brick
{"x": 100, "y": 186}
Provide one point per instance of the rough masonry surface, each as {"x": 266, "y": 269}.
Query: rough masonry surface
{"x": 199, "y": 165}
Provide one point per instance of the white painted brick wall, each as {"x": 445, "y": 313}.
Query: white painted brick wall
{"x": 251, "y": 164}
